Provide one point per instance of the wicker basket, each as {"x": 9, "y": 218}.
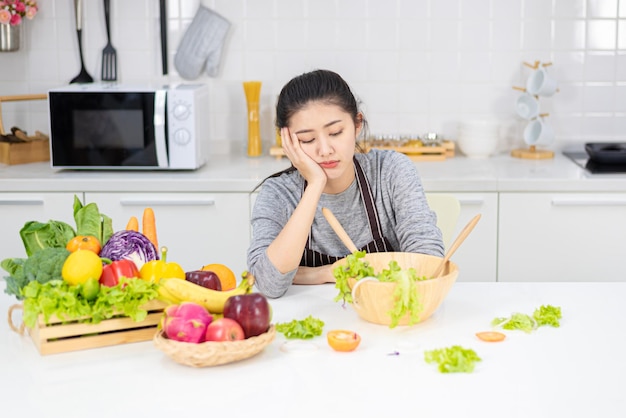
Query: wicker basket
{"x": 373, "y": 300}
{"x": 213, "y": 353}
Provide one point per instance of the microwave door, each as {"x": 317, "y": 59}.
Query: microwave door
{"x": 160, "y": 140}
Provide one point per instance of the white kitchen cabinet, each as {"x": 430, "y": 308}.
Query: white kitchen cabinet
{"x": 477, "y": 256}
{"x": 562, "y": 237}
{"x": 197, "y": 228}
{"x": 18, "y": 208}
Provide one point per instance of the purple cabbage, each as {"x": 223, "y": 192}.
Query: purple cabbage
{"x": 129, "y": 245}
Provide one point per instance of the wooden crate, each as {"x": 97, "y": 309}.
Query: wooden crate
{"x": 415, "y": 153}
{"x": 24, "y": 152}
{"x": 35, "y": 148}
{"x": 57, "y": 337}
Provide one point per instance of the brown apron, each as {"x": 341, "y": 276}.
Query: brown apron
{"x": 379, "y": 244}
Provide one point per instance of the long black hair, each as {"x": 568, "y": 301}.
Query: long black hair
{"x": 316, "y": 86}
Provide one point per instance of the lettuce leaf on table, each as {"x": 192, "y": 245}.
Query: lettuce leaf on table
{"x": 455, "y": 359}
{"x": 305, "y": 329}
{"x": 544, "y": 315}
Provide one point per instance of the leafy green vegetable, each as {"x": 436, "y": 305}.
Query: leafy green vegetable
{"x": 548, "y": 315}
{"x": 43, "y": 266}
{"x": 15, "y": 268}
{"x": 355, "y": 267}
{"x": 304, "y": 329}
{"x": 53, "y": 234}
{"x": 544, "y": 315}
{"x": 406, "y": 299}
{"x": 89, "y": 221}
{"x": 67, "y": 302}
{"x": 517, "y": 321}
{"x": 405, "y": 294}
{"x": 454, "y": 359}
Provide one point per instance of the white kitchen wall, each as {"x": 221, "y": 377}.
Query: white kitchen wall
{"x": 417, "y": 65}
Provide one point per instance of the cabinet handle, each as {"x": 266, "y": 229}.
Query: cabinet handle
{"x": 28, "y": 202}
{"x": 472, "y": 202}
{"x": 167, "y": 202}
{"x": 588, "y": 202}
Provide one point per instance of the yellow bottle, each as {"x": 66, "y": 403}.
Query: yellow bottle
{"x": 252, "y": 90}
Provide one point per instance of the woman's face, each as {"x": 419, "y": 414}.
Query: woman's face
{"x": 328, "y": 135}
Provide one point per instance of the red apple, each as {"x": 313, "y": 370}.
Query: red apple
{"x": 224, "y": 329}
{"x": 251, "y": 311}
{"x": 204, "y": 278}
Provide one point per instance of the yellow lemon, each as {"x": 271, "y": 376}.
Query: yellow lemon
{"x": 80, "y": 266}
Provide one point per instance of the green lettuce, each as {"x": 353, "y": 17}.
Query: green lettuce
{"x": 548, "y": 315}
{"x": 67, "y": 302}
{"x": 454, "y": 359}
{"x": 355, "y": 267}
{"x": 544, "y": 315}
{"x": 303, "y": 329}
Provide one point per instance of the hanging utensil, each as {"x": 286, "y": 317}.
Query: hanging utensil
{"x": 109, "y": 54}
{"x": 83, "y": 76}
{"x": 456, "y": 244}
{"x": 341, "y": 233}
{"x": 163, "y": 20}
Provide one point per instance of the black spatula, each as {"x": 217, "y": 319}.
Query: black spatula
{"x": 83, "y": 76}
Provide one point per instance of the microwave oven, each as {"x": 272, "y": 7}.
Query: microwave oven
{"x": 112, "y": 126}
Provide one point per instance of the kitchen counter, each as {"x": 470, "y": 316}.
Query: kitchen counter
{"x": 228, "y": 173}
{"x": 576, "y": 370}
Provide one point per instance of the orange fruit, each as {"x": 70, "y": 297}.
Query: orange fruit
{"x": 83, "y": 242}
{"x": 342, "y": 340}
{"x": 227, "y": 278}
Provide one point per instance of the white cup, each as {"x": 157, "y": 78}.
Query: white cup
{"x": 527, "y": 106}
{"x": 538, "y": 132}
{"x": 540, "y": 83}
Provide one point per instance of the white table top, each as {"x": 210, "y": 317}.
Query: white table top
{"x": 577, "y": 370}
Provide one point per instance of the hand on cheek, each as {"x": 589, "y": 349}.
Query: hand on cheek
{"x": 305, "y": 164}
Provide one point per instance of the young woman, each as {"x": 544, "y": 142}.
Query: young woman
{"x": 377, "y": 196}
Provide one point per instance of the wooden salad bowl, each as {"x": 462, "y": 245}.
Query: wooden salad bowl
{"x": 373, "y": 300}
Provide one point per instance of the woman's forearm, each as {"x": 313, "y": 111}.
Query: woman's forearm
{"x": 314, "y": 275}
{"x": 285, "y": 252}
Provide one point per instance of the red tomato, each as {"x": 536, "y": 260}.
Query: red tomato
{"x": 342, "y": 340}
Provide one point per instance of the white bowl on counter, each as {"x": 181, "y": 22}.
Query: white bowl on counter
{"x": 478, "y": 138}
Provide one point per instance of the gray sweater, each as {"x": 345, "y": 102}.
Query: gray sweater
{"x": 406, "y": 220}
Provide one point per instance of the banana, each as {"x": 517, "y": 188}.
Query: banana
{"x": 165, "y": 296}
{"x": 213, "y": 300}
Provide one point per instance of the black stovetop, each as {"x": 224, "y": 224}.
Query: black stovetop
{"x": 581, "y": 158}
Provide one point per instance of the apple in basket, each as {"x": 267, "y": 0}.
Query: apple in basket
{"x": 252, "y": 311}
{"x": 224, "y": 329}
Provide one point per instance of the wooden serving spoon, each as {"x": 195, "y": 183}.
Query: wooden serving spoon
{"x": 341, "y": 233}
{"x": 456, "y": 244}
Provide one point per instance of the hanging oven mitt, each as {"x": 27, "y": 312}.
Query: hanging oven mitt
{"x": 202, "y": 43}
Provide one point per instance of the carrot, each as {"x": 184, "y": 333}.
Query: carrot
{"x": 491, "y": 336}
{"x": 133, "y": 224}
{"x": 149, "y": 226}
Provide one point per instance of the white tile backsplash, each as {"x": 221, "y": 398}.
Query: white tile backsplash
{"x": 417, "y": 65}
